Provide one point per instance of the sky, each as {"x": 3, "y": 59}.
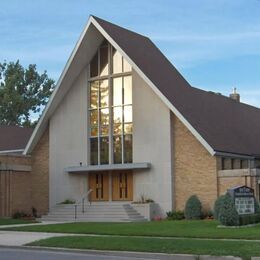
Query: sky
{"x": 215, "y": 44}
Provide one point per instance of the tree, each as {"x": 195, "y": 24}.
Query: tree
{"x": 23, "y": 92}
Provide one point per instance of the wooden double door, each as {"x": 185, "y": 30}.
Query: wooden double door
{"x": 114, "y": 186}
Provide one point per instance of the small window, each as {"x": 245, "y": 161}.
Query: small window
{"x": 128, "y": 90}
{"x": 94, "y": 66}
{"x": 117, "y": 62}
{"x": 104, "y": 60}
{"x": 244, "y": 164}
{"x": 127, "y": 67}
{"x": 117, "y": 149}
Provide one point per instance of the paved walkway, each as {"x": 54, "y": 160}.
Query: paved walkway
{"x": 13, "y": 238}
{"x": 35, "y": 224}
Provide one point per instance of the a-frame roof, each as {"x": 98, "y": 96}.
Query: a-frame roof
{"x": 219, "y": 123}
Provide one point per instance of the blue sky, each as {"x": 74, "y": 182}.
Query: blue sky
{"x": 214, "y": 44}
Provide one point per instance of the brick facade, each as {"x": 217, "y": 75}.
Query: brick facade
{"x": 15, "y": 186}
{"x": 195, "y": 170}
{"x": 40, "y": 174}
{"x": 21, "y": 190}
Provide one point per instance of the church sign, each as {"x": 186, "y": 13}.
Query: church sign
{"x": 244, "y": 199}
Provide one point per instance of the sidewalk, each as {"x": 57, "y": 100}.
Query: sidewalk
{"x": 34, "y": 224}
{"x": 12, "y": 238}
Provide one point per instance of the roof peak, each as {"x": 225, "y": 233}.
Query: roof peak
{"x": 100, "y": 20}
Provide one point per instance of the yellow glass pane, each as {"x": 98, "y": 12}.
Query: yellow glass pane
{"x": 127, "y": 66}
{"x": 104, "y": 93}
{"x": 94, "y": 94}
{"x": 117, "y": 115}
{"x": 103, "y": 61}
{"x": 94, "y": 66}
{"x": 128, "y": 128}
{"x": 104, "y": 116}
{"x": 117, "y": 91}
{"x": 117, "y": 147}
{"x": 128, "y": 116}
{"x": 117, "y": 129}
{"x": 93, "y": 117}
{"x": 94, "y": 131}
{"x": 104, "y": 130}
{"x": 128, "y": 90}
{"x": 117, "y": 61}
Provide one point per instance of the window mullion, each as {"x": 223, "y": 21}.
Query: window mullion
{"x": 98, "y": 107}
{"x": 110, "y": 102}
{"x": 123, "y": 121}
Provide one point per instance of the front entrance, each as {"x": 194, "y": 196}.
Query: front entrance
{"x": 122, "y": 185}
{"x": 114, "y": 185}
{"x": 98, "y": 182}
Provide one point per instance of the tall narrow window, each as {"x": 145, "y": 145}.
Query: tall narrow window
{"x": 110, "y": 107}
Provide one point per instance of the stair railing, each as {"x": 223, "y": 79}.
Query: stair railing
{"x": 86, "y": 196}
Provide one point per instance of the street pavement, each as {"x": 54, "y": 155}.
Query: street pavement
{"x": 33, "y": 254}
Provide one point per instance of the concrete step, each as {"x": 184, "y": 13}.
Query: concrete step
{"x": 105, "y": 212}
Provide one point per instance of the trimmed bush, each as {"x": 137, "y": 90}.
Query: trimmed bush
{"x": 257, "y": 207}
{"x": 19, "y": 214}
{"x": 193, "y": 208}
{"x": 249, "y": 219}
{"x": 175, "y": 215}
{"x": 228, "y": 215}
{"x": 217, "y": 206}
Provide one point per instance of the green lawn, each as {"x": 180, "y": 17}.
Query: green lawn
{"x": 177, "y": 246}
{"x": 187, "y": 229}
{"x": 11, "y": 221}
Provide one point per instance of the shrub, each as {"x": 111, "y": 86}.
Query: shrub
{"x": 228, "y": 215}
{"x": 175, "y": 215}
{"x": 217, "y": 206}
{"x": 257, "y": 207}
{"x": 34, "y": 212}
{"x": 193, "y": 208}
{"x": 68, "y": 201}
{"x": 19, "y": 214}
{"x": 249, "y": 219}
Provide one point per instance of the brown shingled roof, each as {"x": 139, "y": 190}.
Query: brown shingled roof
{"x": 226, "y": 125}
{"x": 14, "y": 137}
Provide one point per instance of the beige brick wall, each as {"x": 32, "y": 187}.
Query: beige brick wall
{"x": 195, "y": 170}
{"x": 226, "y": 183}
{"x": 15, "y": 187}
{"x": 21, "y": 192}
{"x": 40, "y": 174}
{"x": 15, "y": 159}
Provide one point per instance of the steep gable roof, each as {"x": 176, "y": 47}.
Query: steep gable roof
{"x": 219, "y": 123}
{"x": 14, "y": 138}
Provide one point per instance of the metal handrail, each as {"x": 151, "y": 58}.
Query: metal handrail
{"x": 86, "y": 196}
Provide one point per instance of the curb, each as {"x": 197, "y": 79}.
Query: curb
{"x": 144, "y": 255}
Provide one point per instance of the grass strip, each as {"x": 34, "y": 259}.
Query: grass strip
{"x": 11, "y": 221}
{"x": 187, "y": 229}
{"x": 172, "y": 246}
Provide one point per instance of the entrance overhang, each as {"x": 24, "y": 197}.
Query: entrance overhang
{"x": 107, "y": 167}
